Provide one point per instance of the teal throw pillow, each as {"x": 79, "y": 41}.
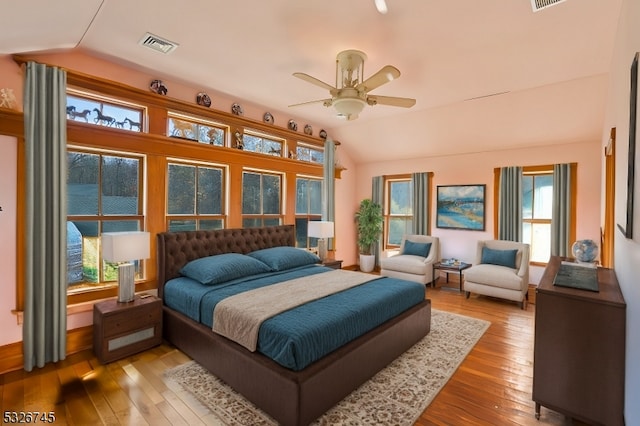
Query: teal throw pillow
{"x": 223, "y": 267}
{"x": 416, "y": 249}
{"x": 284, "y": 257}
{"x": 499, "y": 257}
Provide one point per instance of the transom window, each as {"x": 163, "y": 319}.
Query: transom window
{"x": 537, "y": 202}
{"x": 309, "y": 153}
{"x": 195, "y": 197}
{"x": 103, "y": 195}
{"x": 261, "y": 198}
{"x": 98, "y": 111}
{"x": 264, "y": 144}
{"x": 398, "y": 210}
{"x": 198, "y": 130}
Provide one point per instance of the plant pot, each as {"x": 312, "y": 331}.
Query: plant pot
{"x": 367, "y": 262}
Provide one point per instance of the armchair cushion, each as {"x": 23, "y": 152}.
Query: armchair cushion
{"x": 499, "y": 257}
{"x": 407, "y": 263}
{"x": 498, "y": 276}
{"x": 416, "y": 249}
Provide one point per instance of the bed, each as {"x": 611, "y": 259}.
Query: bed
{"x": 292, "y": 395}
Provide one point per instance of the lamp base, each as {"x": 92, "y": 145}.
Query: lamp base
{"x": 322, "y": 249}
{"x": 126, "y": 284}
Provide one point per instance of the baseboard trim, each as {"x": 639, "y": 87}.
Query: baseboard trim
{"x": 12, "y": 356}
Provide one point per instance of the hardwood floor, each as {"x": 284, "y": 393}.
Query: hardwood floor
{"x": 491, "y": 387}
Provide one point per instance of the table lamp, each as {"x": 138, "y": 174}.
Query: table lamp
{"x": 124, "y": 248}
{"x": 322, "y": 230}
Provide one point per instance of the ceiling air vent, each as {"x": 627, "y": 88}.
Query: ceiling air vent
{"x": 537, "y": 5}
{"x": 158, "y": 43}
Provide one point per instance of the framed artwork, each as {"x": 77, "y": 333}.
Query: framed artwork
{"x": 627, "y": 229}
{"x": 461, "y": 207}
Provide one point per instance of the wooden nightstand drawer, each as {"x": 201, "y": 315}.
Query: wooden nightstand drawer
{"x": 129, "y": 319}
{"x": 123, "y": 329}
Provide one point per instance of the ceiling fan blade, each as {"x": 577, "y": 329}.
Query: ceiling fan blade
{"x": 391, "y": 101}
{"x": 385, "y": 75}
{"x": 325, "y": 102}
{"x": 313, "y": 80}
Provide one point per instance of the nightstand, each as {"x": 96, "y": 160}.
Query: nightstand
{"x": 332, "y": 263}
{"x": 123, "y": 329}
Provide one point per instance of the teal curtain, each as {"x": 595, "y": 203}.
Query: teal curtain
{"x": 45, "y": 305}
{"x": 510, "y": 204}
{"x": 561, "y": 215}
{"x": 420, "y": 186}
{"x": 377, "y": 196}
{"x": 329, "y": 187}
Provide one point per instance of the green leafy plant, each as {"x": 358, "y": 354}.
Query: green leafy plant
{"x": 369, "y": 225}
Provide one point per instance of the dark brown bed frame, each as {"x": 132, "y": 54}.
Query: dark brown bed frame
{"x": 290, "y": 397}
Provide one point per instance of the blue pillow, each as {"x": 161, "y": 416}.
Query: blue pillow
{"x": 285, "y": 257}
{"x": 416, "y": 249}
{"x": 222, "y": 267}
{"x": 499, "y": 257}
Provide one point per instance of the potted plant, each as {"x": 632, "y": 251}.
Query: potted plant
{"x": 369, "y": 226}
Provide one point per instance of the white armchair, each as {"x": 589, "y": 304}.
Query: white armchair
{"x": 501, "y": 269}
{"x": 412, "y": 267}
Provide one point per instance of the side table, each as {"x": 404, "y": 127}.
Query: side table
{"x": 123, "y": 329}
{"x": 449, "y": 267}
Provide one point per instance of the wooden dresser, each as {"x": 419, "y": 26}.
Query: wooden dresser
{"x": 579, "y": 353}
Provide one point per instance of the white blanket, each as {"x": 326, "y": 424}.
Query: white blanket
{"x": 239, "y": 317}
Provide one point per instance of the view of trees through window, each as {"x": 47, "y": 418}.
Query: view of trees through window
{"x": 261, "y": 199}
{"x": 103, "y": 195}
{"x": 537, "y": 202}
{"x": 195, "y": 197}
{"x": 399, "y": 210}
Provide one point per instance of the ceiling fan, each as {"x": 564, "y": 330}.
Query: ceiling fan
{"x": 351, "y": 92}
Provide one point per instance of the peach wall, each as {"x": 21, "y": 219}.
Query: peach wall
{"x": 477, "y": 168}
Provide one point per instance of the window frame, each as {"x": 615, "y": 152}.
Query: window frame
{"x": 538, "y": 169}
{"x": 387, "y": 215}
{"x": 197, "y": 217}
{"x": 102, "y": 218}
{"x": 311, "y": 242}
{"x": 265, "y": 216}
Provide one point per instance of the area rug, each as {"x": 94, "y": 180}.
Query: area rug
{"x": 397, "y": 395}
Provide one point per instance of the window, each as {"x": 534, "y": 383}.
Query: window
{"x": 198, "y": 130}
{"x": 195, "y": 197}
{"x": 261, "y": 199}
{"x": 264, "y": 144}
{"x": 93, "y": 109}
{"x": 309, "y": 153}
{"x": 537, "y": 202}
{"x": 398, "y": 210}
{"x": 308, "y": 207}
{"x": 103, "y": 195}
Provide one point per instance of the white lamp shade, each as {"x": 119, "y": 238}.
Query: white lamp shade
{"x": 320, "y": 229}
{"x": 125, "y": 246}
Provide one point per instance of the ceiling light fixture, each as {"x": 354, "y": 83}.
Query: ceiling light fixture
{"x": 381, "y": 5}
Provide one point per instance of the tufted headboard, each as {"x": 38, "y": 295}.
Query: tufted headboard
{"x": 175, "y": 249}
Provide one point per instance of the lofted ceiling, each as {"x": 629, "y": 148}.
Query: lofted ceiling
{"x": 486, "y": 75}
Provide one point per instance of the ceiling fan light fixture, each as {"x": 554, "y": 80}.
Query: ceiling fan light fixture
{"x": 349, "y": 108}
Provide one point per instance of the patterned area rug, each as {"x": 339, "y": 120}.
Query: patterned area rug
{"x": 397, "y": 395}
